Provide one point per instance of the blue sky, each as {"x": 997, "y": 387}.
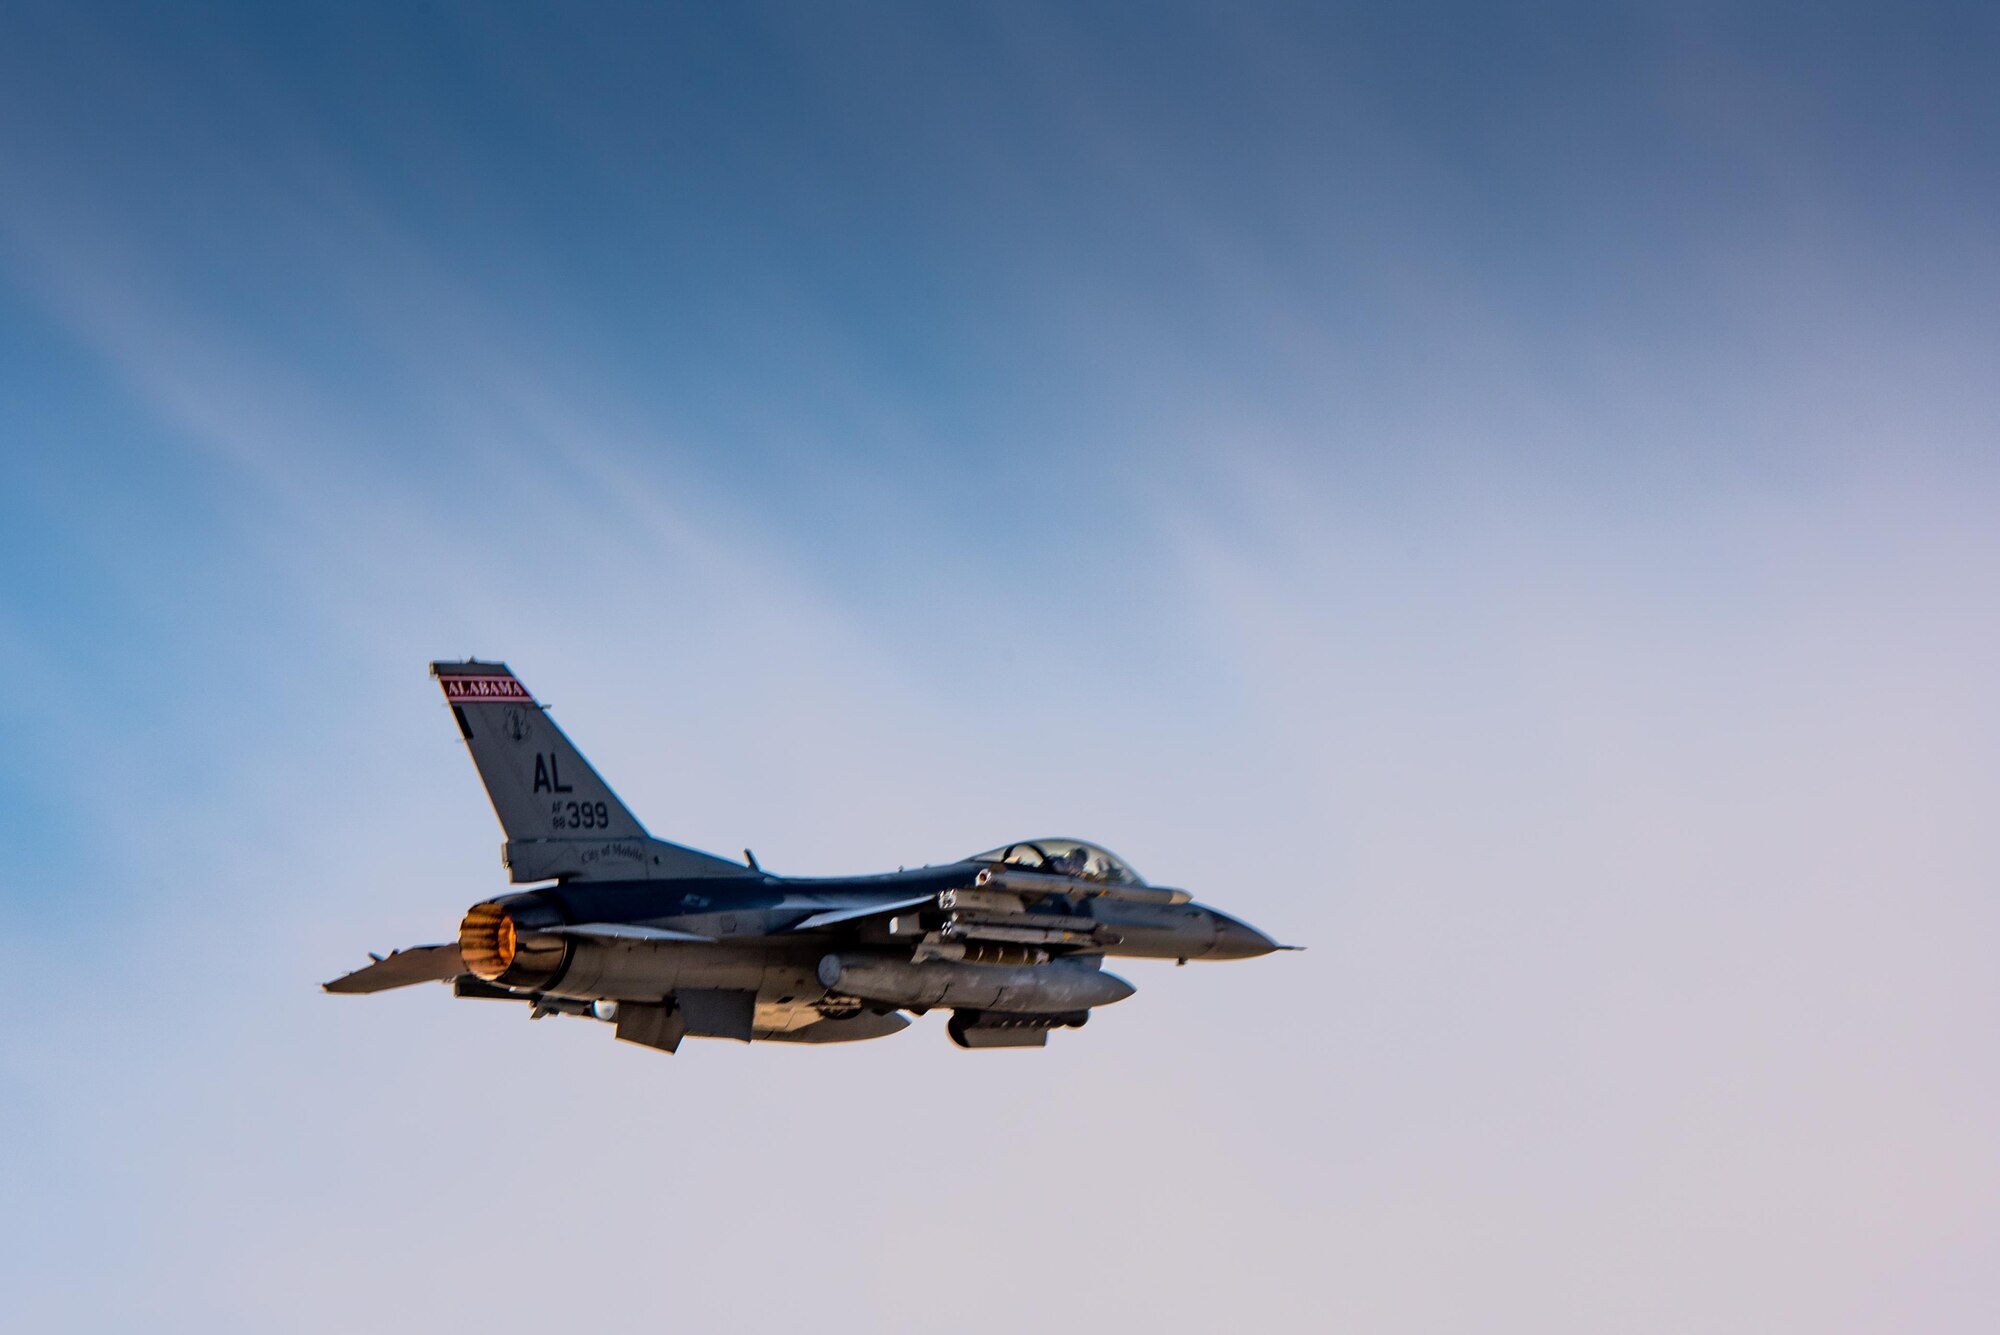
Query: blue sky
{"x": 1504, "y": 498}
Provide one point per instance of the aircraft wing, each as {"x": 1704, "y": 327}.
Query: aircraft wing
{"x": 621, "y": 931}
{"x": 418, "y": 964}
{"x": 832, "y": 916}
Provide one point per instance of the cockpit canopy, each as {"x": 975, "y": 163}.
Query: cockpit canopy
{"x": 1064, "y": 857}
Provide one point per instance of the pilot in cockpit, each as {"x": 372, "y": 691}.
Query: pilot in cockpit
{"x": 1074, "y": 862}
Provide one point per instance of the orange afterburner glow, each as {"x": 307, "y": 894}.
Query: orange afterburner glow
{"x": 486, "y": 940}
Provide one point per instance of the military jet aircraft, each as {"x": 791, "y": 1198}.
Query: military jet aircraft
{"x": 664, "y": 942}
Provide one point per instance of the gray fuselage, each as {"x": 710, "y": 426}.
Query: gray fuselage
{"x": 756, "y": 942}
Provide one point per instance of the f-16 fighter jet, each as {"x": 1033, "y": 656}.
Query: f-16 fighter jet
{"x": 664, "y": 942}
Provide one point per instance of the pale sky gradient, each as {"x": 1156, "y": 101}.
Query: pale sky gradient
{"x": 1506, "y": 500}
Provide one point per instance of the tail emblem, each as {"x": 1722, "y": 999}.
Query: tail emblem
{"x": 518, "y": 726}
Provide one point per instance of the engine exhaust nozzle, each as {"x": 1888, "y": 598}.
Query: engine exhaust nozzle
{"x": 487, "y": 940}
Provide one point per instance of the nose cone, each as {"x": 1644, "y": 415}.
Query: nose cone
{"x": 1238, "y": 940}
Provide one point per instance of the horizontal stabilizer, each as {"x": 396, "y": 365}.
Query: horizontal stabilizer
{"x": 620, "y": 931}
{"x": 418, "y": 964}
{"x": 832, "y": 916}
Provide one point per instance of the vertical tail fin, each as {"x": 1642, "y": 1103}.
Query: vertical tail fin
{"x": 560, "y": 817}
